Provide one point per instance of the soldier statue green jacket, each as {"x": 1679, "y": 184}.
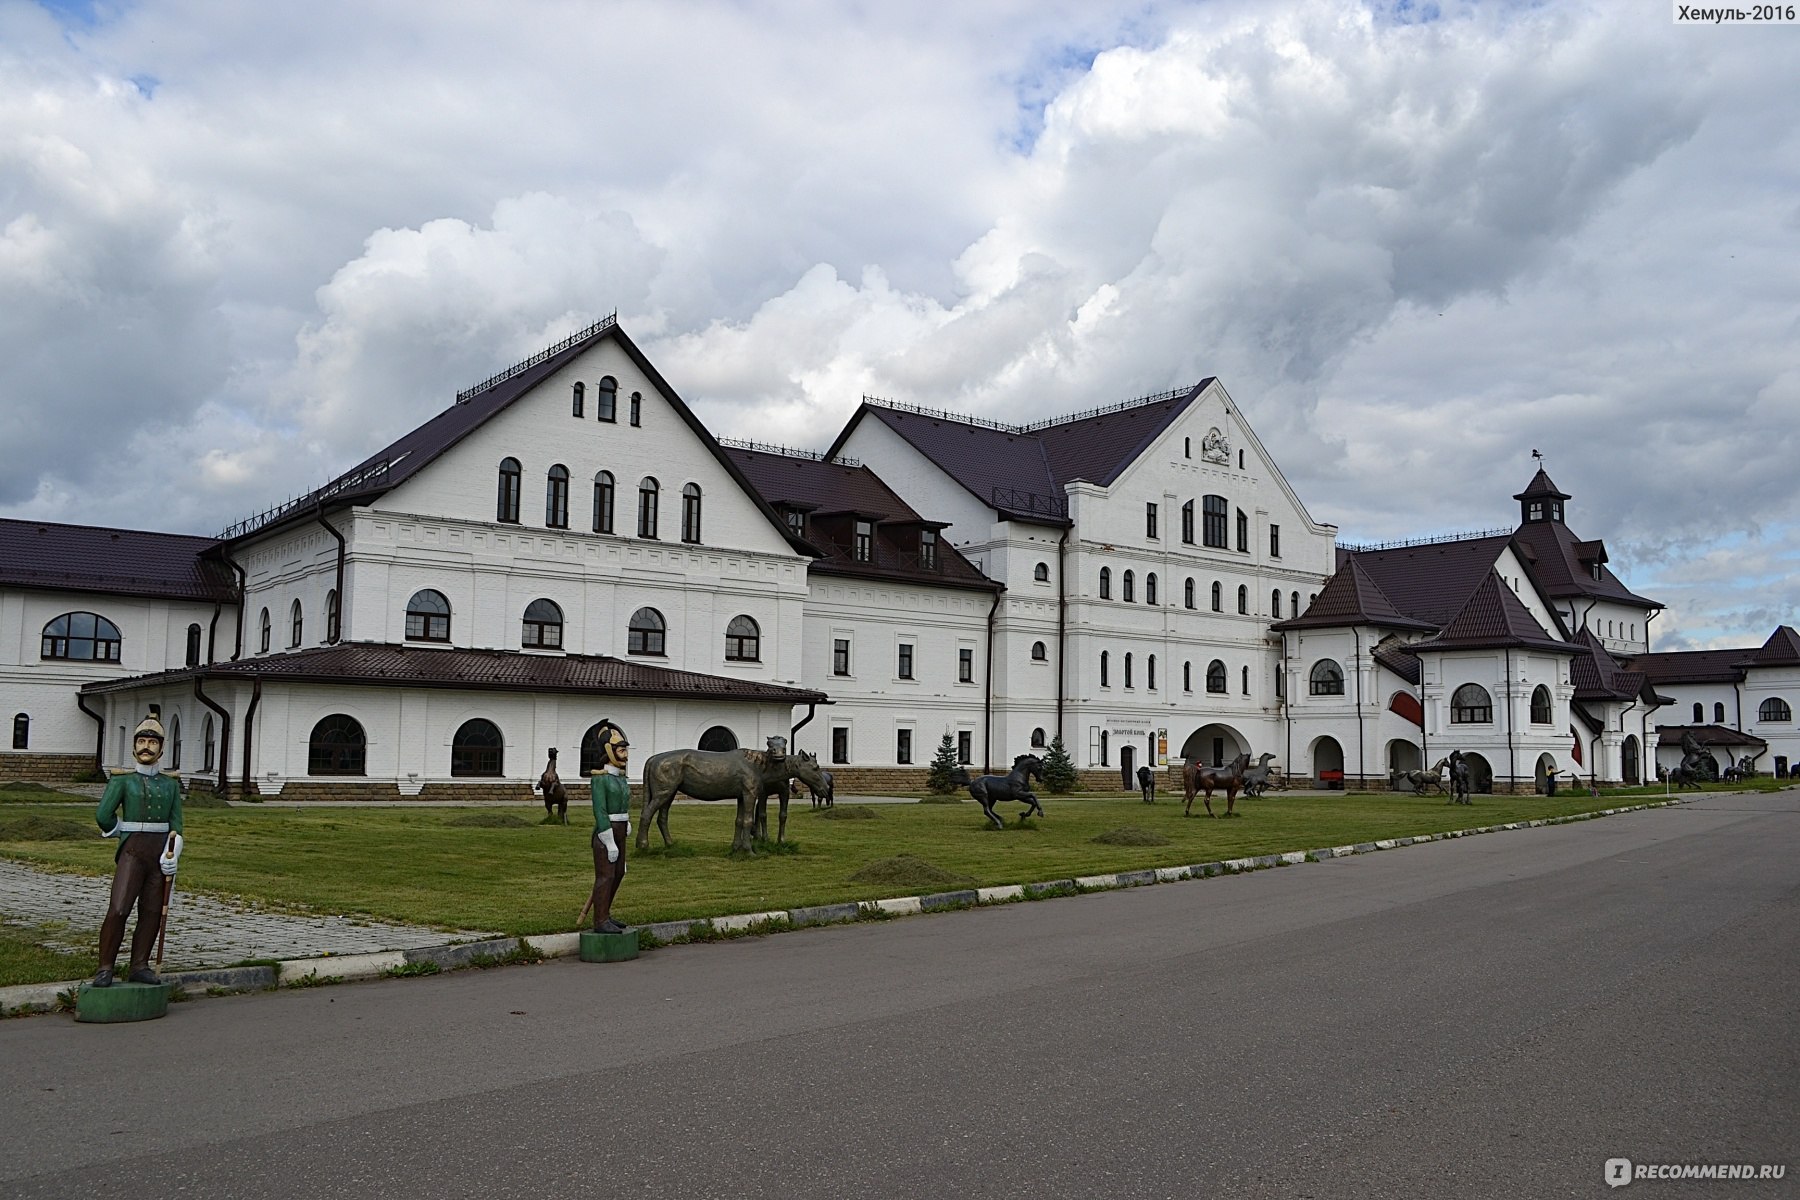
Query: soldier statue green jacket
{"x": 611, "y": 795}
{"x": 140, "y": 799}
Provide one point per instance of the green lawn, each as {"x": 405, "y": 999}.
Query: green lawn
{"x": 429, "y": 865}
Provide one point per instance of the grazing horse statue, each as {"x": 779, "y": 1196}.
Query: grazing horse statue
{"x": 1256, "y": 779}
{"x": 747, "y": 776}
{"x": 803, "y": 767}
{"x": 1198, "y": 778}
{"x": 556, "y": 796}
{"x": 1459, "y": 778}
{"x": 1419, "y": 780}
{"x": 989, "y": 790}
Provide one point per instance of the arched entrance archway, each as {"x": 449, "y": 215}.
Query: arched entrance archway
{"x": 1128, "y": 768}
{"x": 718, "y": 738}
{"x": 1628, "y": 760}
{"x": 1327, "y": 762}
{"x": 1543, "y": 772}
{"x": 1481, "y": 774}
{"x": 1214, "y": 745}
{"x": 1403, "y": 755}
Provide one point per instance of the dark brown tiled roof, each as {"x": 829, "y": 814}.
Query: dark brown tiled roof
{"x": 400, "y": 460}
{"x": 1022, "y": 471}
{"x": 378, "y": 665}
{"x": 1493, "y": 618}
{"x": 1540, "y": 488}
{"x": 1598, "y": 676}
{"x": 1781, "y": 650}
{"x": 1432, "y": 582}
{"x": 127, "y": 562}
{"x": 1706, "y": 735}
{"x": 1352, "y": 597}
{"x": 822, "y": 487}
{"x": 1555, "y": 557}
{"x": 1692, "y": 666}
{"x": 1400, "y": 661}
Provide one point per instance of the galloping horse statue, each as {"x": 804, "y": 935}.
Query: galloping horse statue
{"x": 1256, "y": 779}
{"x": 1198, "y": 778}
{"x": 1419, "y": 780}
{"x": 556, "y": 796}
{"x": 745, "y": 775}
{"x": 989, "y": 790}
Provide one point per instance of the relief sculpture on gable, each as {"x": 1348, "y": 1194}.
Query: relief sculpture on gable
{"x": 1215, "y": 447}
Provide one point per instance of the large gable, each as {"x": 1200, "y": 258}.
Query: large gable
{"x": 1493, "y": 619}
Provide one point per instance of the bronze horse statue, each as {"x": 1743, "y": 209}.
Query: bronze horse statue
{"x": 556, "y": 796}
{"x": 1459, "y": 778}
{"x": 989, "y": 790}
{"x": 748, "y": 776}
{"x": 1419, "y": 780}
{"x": 1198, "y": 778}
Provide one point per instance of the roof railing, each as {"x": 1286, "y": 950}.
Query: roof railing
{"x": 787, "y": 451}
{"x": 1020, "y": 500}
{"x": 1436, "y": 539}
{"x": 607, "y": 322}
{"x": 944, "y": 414}
{"x": 362, "y": 477}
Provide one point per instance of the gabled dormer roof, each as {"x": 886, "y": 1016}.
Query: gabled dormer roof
{"x": 1431, "y": 581}
{"x": 1565, "y": 566}
{"x": 412, "y": 452}
{"x": 1493, "y": 619}
{"x": 1352, "y": 597}
{"x": 1781, "y": 650}
{"x": 1597, "y": 675}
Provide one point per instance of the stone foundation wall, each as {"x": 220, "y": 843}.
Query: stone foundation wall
{"x": 43, "y": 768}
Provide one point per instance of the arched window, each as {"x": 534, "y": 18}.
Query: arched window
{"x": 1105, "y": 662}
{"x": 1150, "y": 588}
{"x": 1243, "y": 531}
{"x": 1213, "y": 529}
{"x": 579, "y": 399}
{"x": 1540, "y": 705}
{"x": 268, "y": 630}
{"x": 1103, "y": 740}
{"x": 603, "y": 502}
{"x": 1037, "y": 738}
{"x": 1106, "y": 583}
{"x": 338, "y": 746}
{"x": 1243, "y": 599}
{"x": 743, "y": 640}
{"x": 478, "y": 749}
{"x": 208, "y": 745}
{"x": 1470, "y": 704}
{"x": 1246, "y": 686}
{"x": 334, "y": 623}
{"x": 1294, "y": 603}
{"x": 645, "y": 634}
{"x": 556, "y": 497}
{"x": 1039, "y": 652}
{"x": 718, "y": 738}
{"x": 1275, "y": 604}
{"x": 173, "y": 750}
{"x": 1699, "y": 712}
{"x": 21, "y": 731}
{"x": 637, "y": 408}
{"x": 193, "y": 645}
{"x": 648, "y": 489}
{"x": 84, "y": 636}
{"x": 1187, "y": 523}
{"x": 1187, "y": 676}
{"x": 506, "y": 505}
{"x": 1150, "y": 672}
{"x": 1128, "y": 670}
{"x": 1187, "y": 447}
{"x": 690, "y": 513}
{"x": 1128, "y": 587}
{"x": 1327, "y": 678}
{"x": 543, "y": 628}
{"x": 1719, "y": 713}
{"x": 296, "y": 624}
{"x": 1218, "y": 596}
{"x": 1215, "y": 676}
{"x": 1774, "y": 709}
{"x": 1310, "y": 598}
{"x": 1041, "y": 573}
{"x": 606, "y": 399}
{"x": 428, "y": 617}
{"x": 1187, "y": 593}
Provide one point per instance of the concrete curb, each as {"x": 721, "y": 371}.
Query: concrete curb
{"x": 22, "y": 999}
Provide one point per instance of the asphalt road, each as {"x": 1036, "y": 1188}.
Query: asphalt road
{"x": 1490, "y": 1016}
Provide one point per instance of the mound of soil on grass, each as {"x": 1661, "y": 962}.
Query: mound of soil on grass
{"x": 203, "y": 800}
{"x": 43, "y": 829}
{"x": 1131, "y": 835}
{"x": 488, "y": 820}
{"x": 849, "y": 812}
{"x": 910, "y": 871}
{"x": 23, "y": 785}
{"x": 934, "y": 798}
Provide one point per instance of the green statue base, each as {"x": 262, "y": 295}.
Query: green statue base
{"x": 608, "y": 947}
{"x": 122, "y": 1002}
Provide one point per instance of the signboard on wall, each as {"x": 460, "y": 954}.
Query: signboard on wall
{"x": 1162, "y": 747}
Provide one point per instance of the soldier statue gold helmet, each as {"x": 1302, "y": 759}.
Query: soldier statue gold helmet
{"x": 149, "y": 727}
{"x": 613, "y": 745}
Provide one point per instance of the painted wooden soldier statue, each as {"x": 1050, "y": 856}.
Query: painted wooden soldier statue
{"x": 611, "y": 794}
{"x": 141, "y": 808}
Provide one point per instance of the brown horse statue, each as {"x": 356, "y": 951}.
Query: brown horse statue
{"x": 1198, "y": 778}
{"x": 556, "y": 796}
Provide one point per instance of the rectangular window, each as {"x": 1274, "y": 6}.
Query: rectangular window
{"x": 965, "y": 665}
{"x": 796, "y": 522}
{"x": 1150, "y": 520}
{"x": 928, "y": 549}
{"x": 865, "y": 541}
{"x": 965, "y": 742}
{"x": 903, "y": 746}
{"x": 1214, "y": 532}
{"x": 840, "y": 743}
{"x": 1274, "y": 541}
{"x": 1187, "y": 523}
{"x": 840, "y": 656}
{"x": 905, "y": 666}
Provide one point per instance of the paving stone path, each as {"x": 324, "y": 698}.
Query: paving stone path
{"x": 203, "y": 932}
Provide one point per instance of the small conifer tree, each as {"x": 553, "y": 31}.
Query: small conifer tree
{"x": 1059, "y": 772}
{"x": 942, "y": 776}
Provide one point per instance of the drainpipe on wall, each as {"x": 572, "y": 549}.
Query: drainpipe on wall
{"x": 243, "y": 585}
{"x": 1287, "y": 706}
{"x": 1506, "y": 694}
{"x": 1651, "y": 616}
{"x": 1362, "y": 758}
{"x": 212, "y": 634}
{"x": 1062, "y": 624}
{"x": 812, "y": 709}
{"x": 100, "y": 734}
{"x": 987, "y": 694}
{"x": 224, "y": 735}
{"x": 250, "y": 727}
{"x": 334, "y": 636}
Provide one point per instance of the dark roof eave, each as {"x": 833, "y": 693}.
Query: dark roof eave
{"x": 832, "y": 566}
{"x": 1438, "y": 644}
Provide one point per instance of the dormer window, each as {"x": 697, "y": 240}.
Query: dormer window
{"x": 1599, "y": 572}
{"x": 865, "y": 541}
{"x": 928, "y": 549}
{"x": 796, "y": 522}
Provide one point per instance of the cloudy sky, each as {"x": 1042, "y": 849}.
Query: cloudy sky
{"x": 244, "y": 245}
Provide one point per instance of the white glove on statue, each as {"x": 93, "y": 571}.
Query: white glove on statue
{"x": 171, "y": 855}
{"x": 611, "y": 844}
